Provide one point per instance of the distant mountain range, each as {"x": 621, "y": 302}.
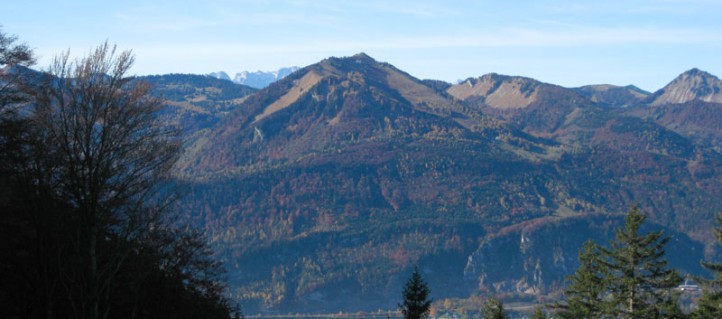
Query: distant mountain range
{"x": 324, "y": 189}
{"x": 257, "y": 79}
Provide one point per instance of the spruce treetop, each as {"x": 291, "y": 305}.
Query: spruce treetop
{"x": 416, "y": 302}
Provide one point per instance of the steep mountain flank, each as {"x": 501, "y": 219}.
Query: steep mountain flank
{"x": 700, "y": 121}
{"x": 330, "y": 105}
{"x": 690, "y": 105}
{"x": 343, "y": 158}
{"x": 535, "y": 107}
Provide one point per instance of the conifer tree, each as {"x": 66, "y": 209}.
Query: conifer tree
{"x": 494, "y": 309}
{"x": 710, "y": 305}
{"x": 640, "y": 283}
{"x": 538, "y": 314}
{"x": 416, "y": 302}
{"x": 587, "y": 286}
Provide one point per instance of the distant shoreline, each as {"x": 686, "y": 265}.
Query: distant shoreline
{"x": 377, "y": 314}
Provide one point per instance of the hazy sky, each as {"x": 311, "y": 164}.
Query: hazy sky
{"x": 571, "y": 43}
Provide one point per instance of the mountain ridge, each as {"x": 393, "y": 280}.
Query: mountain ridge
{"x": 612, "y": 95}
{"x": 321, "y": 189}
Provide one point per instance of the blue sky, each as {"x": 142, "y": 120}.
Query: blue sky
{"x": 642, "y": 42}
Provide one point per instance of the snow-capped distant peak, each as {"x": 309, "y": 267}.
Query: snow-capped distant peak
{"x": 258, "y": 79}
{"x": 220, "y": 75}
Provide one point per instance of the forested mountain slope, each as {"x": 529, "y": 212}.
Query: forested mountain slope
{"x": 322, "y": 190}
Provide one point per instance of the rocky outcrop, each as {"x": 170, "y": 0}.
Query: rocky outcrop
{"x": 536, "y": 256}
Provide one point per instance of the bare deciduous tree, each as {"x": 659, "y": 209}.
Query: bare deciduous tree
{"x": 11, "y": 54}
{"x": 112, "y": 157}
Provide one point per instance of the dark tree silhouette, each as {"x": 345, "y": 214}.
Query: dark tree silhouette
{"x": 416, "y": 300}
{"x": 85, "y": 229}
{"x": 112, "y": 154}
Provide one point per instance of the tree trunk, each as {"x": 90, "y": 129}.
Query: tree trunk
{"x": 93, "y": 272}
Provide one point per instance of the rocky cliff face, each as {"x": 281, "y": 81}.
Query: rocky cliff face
{"x": 536, "y": 256}
{"x": 689, "y": 86}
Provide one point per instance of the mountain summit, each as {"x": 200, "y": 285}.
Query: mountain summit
{"x": 498, "y": 91}
{"x": 612, "y": 95}
{"x": 327, "y": 106}
{"x": 528, "y": 104}
{"x": 692, "y": 85}
{"x": 690, "y": 105}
